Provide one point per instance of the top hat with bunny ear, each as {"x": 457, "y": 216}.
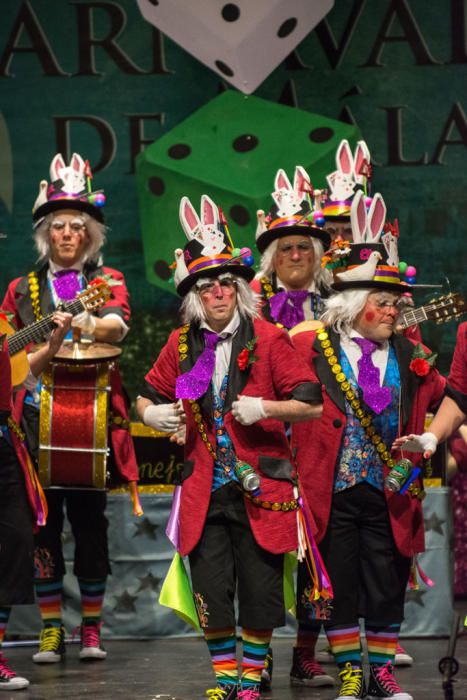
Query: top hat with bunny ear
{"x": 209, "y": 251}
{"x": 352, "y": 175}
{"x": 69, "y": 188}
{"x": 296, "y": 211}
{"x": 371, "y": 261}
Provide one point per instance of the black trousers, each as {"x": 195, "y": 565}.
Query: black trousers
{"x": 368, "y": 574}
{"x": 227, "y": 560}
{"x": 16, "y": 532}
{"x": 86, "y": 513}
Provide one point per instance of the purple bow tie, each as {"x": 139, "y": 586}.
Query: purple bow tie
{"x": 287, "y": 307}
{"x": 375, "y": 396}
{"x": 66, "y": 284}
{"x": 195, "y": 383}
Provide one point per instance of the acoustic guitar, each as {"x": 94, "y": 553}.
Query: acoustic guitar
{"x": 440, "y": 309}
{"x": 90, "y": 299}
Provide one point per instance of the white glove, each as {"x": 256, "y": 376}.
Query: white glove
{"x": 166, "y": 417}
{"x": 427, "y": 442}
{"x": 248, "y": 409}
{"x": 85, "y": 321}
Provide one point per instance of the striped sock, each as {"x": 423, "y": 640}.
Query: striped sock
{"x": 4, "y": 616}
{"x": 255, "y": 647}
{"x": 345, "y": 644}
{"x": 382, "y": 642}
{"x": 92, "y": 599}
{"x": 49, "y": 595}
{"x": 222, "y": 645}
{"x": 307, "y": 636}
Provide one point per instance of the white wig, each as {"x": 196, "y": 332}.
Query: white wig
{"x": 342, "y": 308}
{"x": 321, "y": 277}
{"x": 192, "y": 308}
{"x": 96, "y": 232}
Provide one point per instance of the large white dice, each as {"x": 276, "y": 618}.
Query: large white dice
{"x": 243, "y": 41}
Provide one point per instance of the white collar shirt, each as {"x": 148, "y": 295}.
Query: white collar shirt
{"x": 354, "y": 353}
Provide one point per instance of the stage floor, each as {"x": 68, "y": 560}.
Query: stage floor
{"x": 179, "y": 669}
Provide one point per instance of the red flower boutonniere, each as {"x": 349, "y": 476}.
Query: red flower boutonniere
{"x": 422, "y": 361}
{"x": 247, "y": 355}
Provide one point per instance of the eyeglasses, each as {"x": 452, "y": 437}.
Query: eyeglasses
{"x": 386, "y": 303}
{"x": 289, "y": 248}
{"x": 75, "y": 227}
{"x": 226, "y": 285}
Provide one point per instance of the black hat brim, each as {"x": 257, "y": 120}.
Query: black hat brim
{"x": 370, "y": 284}
{"x": 247, "y": 273}
{"x": 61, "y": 204}
{"x": 266, "y": 238}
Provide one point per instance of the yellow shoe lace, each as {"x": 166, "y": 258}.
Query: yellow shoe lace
{"x": 351, "y": 681}
{"x": 50, "y": 639}
{"x": 216, "y": 693}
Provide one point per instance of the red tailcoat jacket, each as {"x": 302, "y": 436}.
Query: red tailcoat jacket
{"x": 18, "y": 302}
{"x": 457, "y": 380}
{"x": 317, "y": 442}
{"x": 277, "y": 373}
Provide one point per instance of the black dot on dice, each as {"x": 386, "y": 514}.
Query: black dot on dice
{"x": 162, "y": 270}
{"x": 156, "y": 186}
{"x": 179, "y": 151}
{"x": 154, "y": 2}
{"x": 321, "y": 135}
{"x": 287, "y": 27}
{"x": 244, "y": 143}
{"x": 230, "y": 12}
{"x": 239, "y": 214}
{"x": 224, "y": 68}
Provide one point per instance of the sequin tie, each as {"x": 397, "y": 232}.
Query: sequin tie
{"x": 66, "y": 284}
{"x": 287, "y": 307}
{"x": 195, "y": 383}
{"x": 375, "y": 396}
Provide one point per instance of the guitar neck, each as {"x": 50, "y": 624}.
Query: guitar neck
{"x": 38, "y": 332}
{"x": 412, "y": 317}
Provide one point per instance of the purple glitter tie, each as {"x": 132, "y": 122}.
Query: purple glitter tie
{"x": 375, "y": 396}
{"x": 287, "y": 307}
{"x": 195, "y": 383}
{"x": 66, "y": 284}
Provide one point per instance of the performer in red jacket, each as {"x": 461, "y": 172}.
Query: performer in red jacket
{"x": 69, "y": 234}
{"x": 239, "y": 379}
{"x": 377, "y": 384}
{"x": 22, "y": 503}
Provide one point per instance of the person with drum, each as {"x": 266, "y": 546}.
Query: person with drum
{"x": 238, "y": 379}
{"x": 23, "y": 508}
{"x": 69, "y": 234}
{"x": 366, "y": 502}
{"x": 293, "y": 285}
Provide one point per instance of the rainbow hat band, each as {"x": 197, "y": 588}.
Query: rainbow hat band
{"x": 337, "y": 211}
{"x": 371, "y": 260}
{"x": 296, "y": 211}
{"x": 210, "y": 251}
{"x": 69, "y": 188}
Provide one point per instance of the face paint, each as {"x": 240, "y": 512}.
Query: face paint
{"x": 369, "y": 316}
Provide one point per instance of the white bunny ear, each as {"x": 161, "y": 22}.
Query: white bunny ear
{"x": 344, "y": 160}
{"x": 282, "y": 182}
{"x": 358, "y": 217}
{"x": 261, "y": 224}
{"x": 56, "y": 166}
{"x": 181, "y": 270}
{"x": 376, "y": 218}
{"x": 189, "y": 219}
{"x": 209, "y": 211}
{"x": 77, "y": 163}
{"x": 362, "y": 154}
{"x": 301, "y": 181}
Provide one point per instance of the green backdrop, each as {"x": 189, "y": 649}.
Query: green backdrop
{"x": 95, "y": 78}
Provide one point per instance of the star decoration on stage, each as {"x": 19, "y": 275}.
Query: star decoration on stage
{"x": 125, "y": 603}
{"x": 148, "y": 583}
{"x": 435, "y": 524}
{"x": 416, "y": 597}
{"x": 146, "y": 527}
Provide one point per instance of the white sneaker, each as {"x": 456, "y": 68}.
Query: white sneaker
{"x": 8, "y": 678}
{"x": 402, "y": 658}
{"x": 325, "y": 656}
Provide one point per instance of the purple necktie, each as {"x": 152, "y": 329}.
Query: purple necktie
{"x": 287, "y": 307}
{"x": 195, "y": 383}
{"x": 66, "y": 284}
{"x": 375, "y": 396}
